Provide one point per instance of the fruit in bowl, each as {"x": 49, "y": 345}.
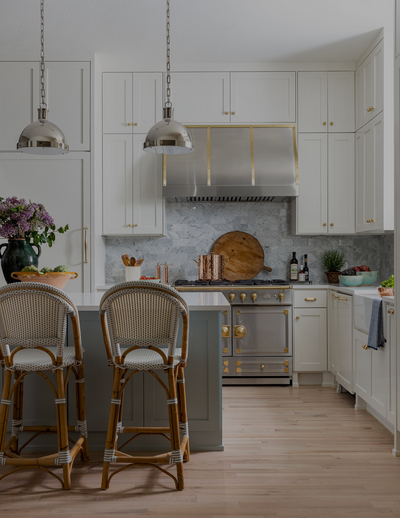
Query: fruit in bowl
{"x": 351, "y": 281}
{"x": 150, "y": 279}
{"x": 57, "y": 277}
{"x": 368, "y": 277}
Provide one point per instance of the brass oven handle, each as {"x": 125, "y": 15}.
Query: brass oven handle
{"x": 342, "y": 298}
{"x": 86, "y": 259}
{"x": 310, "y": 299}
{"x": 239, "y": 331}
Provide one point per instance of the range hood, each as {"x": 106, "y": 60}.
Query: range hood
{"x": 235, "y": 163}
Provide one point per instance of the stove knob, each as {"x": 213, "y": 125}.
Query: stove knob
{"x": 281, "y": 296}
{"x": 243, "y": 297}
{"x": 232, "y": 296}
{"x": 253, "y": 296}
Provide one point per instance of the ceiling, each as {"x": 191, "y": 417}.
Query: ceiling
{"x": 202, "y": 31}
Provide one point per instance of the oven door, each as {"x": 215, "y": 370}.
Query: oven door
{"x": 262, "y": 330}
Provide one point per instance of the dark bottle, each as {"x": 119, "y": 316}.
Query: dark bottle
{"x": 294, "y": 267}
{"x": 306, "y": 271}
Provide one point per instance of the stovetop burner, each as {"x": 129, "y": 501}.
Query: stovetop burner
{"x": 246, "y": 282}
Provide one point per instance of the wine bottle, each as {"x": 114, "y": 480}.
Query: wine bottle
{"x": 302, "y": 276}
{"x": 306, "y": 271}
{"x": 294, "y": 267}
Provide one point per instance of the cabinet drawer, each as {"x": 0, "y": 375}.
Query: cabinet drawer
{"x": 249, "y": 366}
{"x": 309, "y": 298}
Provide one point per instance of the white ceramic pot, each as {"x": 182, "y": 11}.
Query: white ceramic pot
{"x": 132, "y": 273}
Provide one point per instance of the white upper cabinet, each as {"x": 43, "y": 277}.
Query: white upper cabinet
{"x": 132, "y": 102}
{"x": 370, "y": 190}
{"x": 369, "y": 86}
{"x": 326, "y": 102}
{"x": 234, "y": 98}
{"x": 263, "y": 97}
{"x": 201, "y": 97}
{"x": 68, "y": 101}
{"x": 132, "y": 187}
{"x": 19, "y": 100}
{"x": 326, "y": 175}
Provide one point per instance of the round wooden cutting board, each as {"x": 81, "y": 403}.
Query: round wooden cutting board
{"x": 245, "y": 254}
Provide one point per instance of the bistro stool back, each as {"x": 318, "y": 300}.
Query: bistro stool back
{"x": 33, "y": 321}
{"x": 140, "y": 323}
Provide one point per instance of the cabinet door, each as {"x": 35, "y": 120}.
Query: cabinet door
{"x": 341, "y": 175}
{"x": 311, "y": 205}
{"x": 147, "y": 101}
{"x": 62, "y": 184}
{"x": 310, "y": 348}
{"x": 380, "y": 379}
{"x": 344, "y": 344}
{"x": 372, "y": 84}
{"x": 19, "y": 100}
{"x": 362, "y": 366}
{"x": 147, "y": 190}
{"x": 340, "y": 101}
{"x": 68, "y": 99}
{"x": 117, "y": 185}
{"x": 332, "y": 332}
{"x": 391, "y": 345}
{"x": 359, "y": 97}
{"x": 361, "y": 218}
{"x": 201, "y": 97}
{"x": 313, "y": 101}
{"x": 263, "y": 97}
{"x": 117, "y": 103}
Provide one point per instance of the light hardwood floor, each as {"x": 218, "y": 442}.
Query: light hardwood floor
{"x": 289, "y": 452}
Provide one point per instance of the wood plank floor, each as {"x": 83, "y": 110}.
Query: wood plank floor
{"x": 289, "y": 452}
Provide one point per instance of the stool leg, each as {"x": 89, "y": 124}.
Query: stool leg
{"x": 4, "y": 409}
{"x": 183, "y": 409}
{"x": 62, "y": 427}
{"x": 112, "y": 423}
{"x": 17, "y": 407}
{"x": 81, "y": 409}
{"x": 174, "y": 426}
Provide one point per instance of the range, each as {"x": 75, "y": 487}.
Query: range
{"x": 257, "y": 332}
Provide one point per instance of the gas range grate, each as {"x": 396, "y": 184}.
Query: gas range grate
{"x": 244, "y": 282}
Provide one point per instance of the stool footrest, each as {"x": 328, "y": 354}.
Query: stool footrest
{"x": 142, "y": 429}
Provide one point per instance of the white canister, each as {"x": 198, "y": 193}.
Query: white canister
{"x": 132, "y": 273}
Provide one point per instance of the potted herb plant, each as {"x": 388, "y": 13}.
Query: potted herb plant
{"x": 24, "y": 224}
{"x": 333, "y": 262}
{"x": 386, "y": 288}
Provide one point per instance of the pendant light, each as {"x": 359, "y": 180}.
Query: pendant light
{"x": 42, "y": 137}
{"x": 168, "y": 136}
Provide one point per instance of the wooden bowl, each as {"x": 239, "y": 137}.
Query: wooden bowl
{"x": 56, "y": 279}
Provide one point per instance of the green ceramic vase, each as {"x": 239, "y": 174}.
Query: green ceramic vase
{"x": 18, "y": 254}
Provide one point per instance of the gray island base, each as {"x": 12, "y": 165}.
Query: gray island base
{"x": 144, "y": 398}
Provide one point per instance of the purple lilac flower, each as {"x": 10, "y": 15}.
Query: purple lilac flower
{"x": 18, "y": 218}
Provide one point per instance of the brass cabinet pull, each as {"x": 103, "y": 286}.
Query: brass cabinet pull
{"x": 332, "y": 224}
{"x": 226, "y": 332}
{"x": 86, "y": 259}
{"x": 226, "y": 113}
{"x": 333, "y": 295}
{"x": 342, "y": 298}
{"x": 135, "y": 225}
{"x": 233, "y": 113}
{"x": 238, "y": 351}
{"x": 286, "y": 350}
{"x": 297, "y": 318}
{"x": 262, "y": 367}
{"x": 324, "y": 224}
{"x": 331, "y": 123}
{"x": 310, "y": 299}
{"x": 128, "y": 124}
{"x": 371, "y": 220}
{"x": 286, "y": 363}
{"x": 225, "y": 312}
{"x": 324, "y": 123}
{"x": 365, "y": 347}
{"x": 128, "y": 225}
{"x": 370, "y": 109}
{"x": 239, "y": 331}
{"x": 286, "y": 312}
{"x": 135, "y": 124}
{"x": 391, "y": 311}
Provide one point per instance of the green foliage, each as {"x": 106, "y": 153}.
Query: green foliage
{"x": 389, "y": 283}
{"x": 333, "y": 260}
{"x": 47, "y": 236}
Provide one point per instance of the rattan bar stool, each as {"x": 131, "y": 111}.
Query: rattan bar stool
{"x": 33, "y": 320}
{"x": 140, "y": 326}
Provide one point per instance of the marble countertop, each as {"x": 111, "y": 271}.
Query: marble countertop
{"x": 203, "y": 301}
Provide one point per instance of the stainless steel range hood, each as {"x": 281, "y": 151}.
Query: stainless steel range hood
{"x": 235, "y": 163}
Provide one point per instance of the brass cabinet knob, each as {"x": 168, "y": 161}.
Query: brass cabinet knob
{"x": 391, "y": 311}
{"x": 331, "y": 123}
{"x": 233, "y": 113}
{"x": 331, "y": 224}
{"x": 226, "y": 332}
{"x": 324, "y": 224}
{"x": 135, "y": 124}
{"x": 135, "y": 225}
{"x": 243, "y": 297}
{"x": 128, "y": 225}
{"x": 254, "y": 297}
{"x": 324, "y": 123}
{"x": 232, "y": 297}
{"x": 281, "y": 296}
{"x": 225, "y": 350}
{"x": 297, "y": 318}
{"x": 371, "y": 221}
{"x": 368, "y": 221}
{"x": 370, "y": 109}
{"x": 226, "y": 113}
{"x": 239, "y": 331}
{"x": 262, "y": 367}
{"x": 238, "y": 312}
{"x": 365, "y": 347}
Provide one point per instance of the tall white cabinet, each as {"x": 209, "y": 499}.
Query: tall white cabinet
{"x": 132, "y": 179}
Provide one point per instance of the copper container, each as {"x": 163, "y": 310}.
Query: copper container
{"x": 211, "y": 267}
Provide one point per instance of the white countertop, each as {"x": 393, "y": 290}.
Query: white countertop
{"x": 368, "y": 291}
{"x": 202, "y": 301}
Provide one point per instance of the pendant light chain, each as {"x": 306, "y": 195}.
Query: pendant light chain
{"x": 168, "y": 88}
{"x": 42, "y": 65}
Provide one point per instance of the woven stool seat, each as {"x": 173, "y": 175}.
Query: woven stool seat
{"x": 146, "y": 359}
{"x": 37, "y": 360}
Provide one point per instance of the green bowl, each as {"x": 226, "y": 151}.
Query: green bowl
{"x": 351, "y": 281}
{"x": 368, "y": 278}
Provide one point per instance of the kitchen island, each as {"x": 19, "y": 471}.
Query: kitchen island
{"x": 144, "y": 399}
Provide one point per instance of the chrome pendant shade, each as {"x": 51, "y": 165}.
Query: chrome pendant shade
{"x": 42, "y": 137}
{"x": 168, "y": 137}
